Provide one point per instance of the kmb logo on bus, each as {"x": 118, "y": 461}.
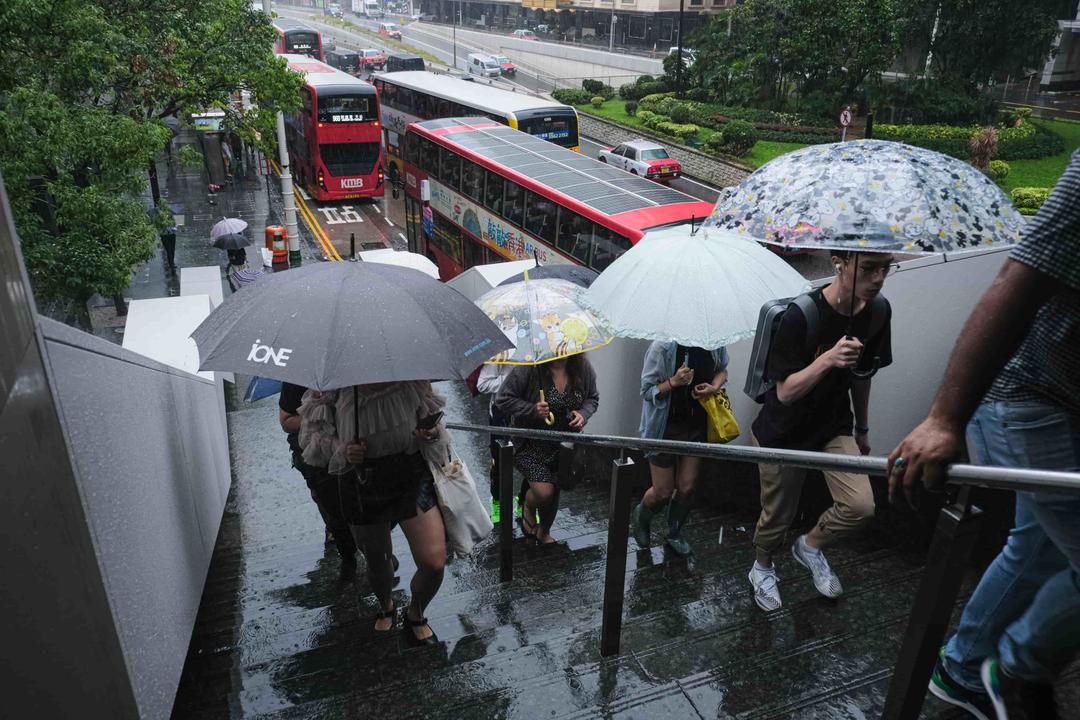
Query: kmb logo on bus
{"x": 352, "y": 182}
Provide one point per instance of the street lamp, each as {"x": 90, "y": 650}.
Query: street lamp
{"x": 678, "y": 53}
{"x": 453, "y": 23}
{"x": 611, "y": 33}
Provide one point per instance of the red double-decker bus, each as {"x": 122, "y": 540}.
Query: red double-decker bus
{"x": 497, "y": 194}
{"x": 335, "y": 139}
{"x": 296, "y": 38}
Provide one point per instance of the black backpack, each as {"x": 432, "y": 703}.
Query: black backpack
{"x": 757, "y": 382}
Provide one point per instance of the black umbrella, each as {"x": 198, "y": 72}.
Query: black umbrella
{"x": 232, "y": 241}
{"x": 577, "y": 274}
{"x": 333, "y": 325}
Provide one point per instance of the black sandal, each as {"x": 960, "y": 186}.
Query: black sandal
{"x": 392, "y": 614}
{"x": 410, "y": 636}
{"x": 529, "y": 535}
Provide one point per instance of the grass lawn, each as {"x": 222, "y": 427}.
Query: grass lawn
{"x": 1045, "y": 171}
{"x": 762, "y": 152}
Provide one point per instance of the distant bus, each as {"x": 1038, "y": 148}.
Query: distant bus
{"x": 294, "y": 37}
{"x": 334, "y": 139}
{"x": 409, "y": 97}
{"x": 500, "y": 194}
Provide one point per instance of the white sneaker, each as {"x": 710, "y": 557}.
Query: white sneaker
{"x": 825, "y": 580}
{"x": 766, "y": 588}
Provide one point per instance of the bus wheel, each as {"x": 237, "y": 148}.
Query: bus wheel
{"x": 603, "y": 159}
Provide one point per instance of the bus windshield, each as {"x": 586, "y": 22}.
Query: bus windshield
{"x": 302, "y": 43}
{"x": 349, "y": 158}
{"x": 559, "y": 129}
{"x": 345, "y": 107}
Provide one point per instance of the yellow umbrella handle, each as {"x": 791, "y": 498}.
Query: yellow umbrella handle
{"x": 550, "y": 419}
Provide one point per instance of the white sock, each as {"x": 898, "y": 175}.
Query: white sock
{"x": 759, "y": 568}
{"x": 806, "y": 548}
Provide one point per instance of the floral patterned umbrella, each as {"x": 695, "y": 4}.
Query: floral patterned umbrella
{"x": 544, "y": 319}
{"x": 870, "y": 195}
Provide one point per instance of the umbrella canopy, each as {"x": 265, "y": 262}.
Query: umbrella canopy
{"x": 701, "y": 290}
{"x": 544, "y": 320}
{"x": 577, "y": 274}
{"x": 332, "y": 325}
{"x": 388, "y": 256}
{"x": 260, "y": 387}
{"x": 228, "y": 226}
{"x": 232, "y": 241}
{"x": 870, "y": 195}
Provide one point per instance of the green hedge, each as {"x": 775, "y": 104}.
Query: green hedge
{"x": 1028, "y": 200}
{"x": 1026, "y": 141}
{"x": 572, "y": 96}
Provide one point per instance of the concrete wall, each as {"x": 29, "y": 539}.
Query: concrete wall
{"x": 115, "y": 471}
{"x": 931, "y": 300}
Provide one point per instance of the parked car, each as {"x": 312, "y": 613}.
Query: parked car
{"x": 390, "y": 30}
{"x": 644, "y": 158}
{"x": 689, "y": 55}
{"x": 545, "y": 29}
{"x": 482, "y": 65}
{"x": 333, "y": 10}
{"x": 508, "y": 69}
{"x": 372, "y": 59}
{"x": 402, "y": 61}
{"x": 524, "y": 34}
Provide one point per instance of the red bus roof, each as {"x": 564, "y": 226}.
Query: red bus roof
{"x": 319, "y": 74}
{"x": 590, "y": 187}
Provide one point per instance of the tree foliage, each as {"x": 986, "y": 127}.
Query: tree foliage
{"x": 85, "y": 88}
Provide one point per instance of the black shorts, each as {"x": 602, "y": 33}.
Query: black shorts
{"x": 388, "y": 490}
{"x": 689, "y": 428}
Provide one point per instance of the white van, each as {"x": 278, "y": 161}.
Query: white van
{"x": 483, "y": 65}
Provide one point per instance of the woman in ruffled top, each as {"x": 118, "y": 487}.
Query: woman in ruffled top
{"x": 382, "y": 454}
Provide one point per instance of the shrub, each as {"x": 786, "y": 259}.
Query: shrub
{"x": 592, "y": 86}
{"x": 984, "y": 146}
{"x": 598, "y": 101}
{"x": 739, "y": 137}
{"x": 571, "y": 96}
{"x": 642, "y": 79}
{"x": 998, "y": 170}
{"x": 628, "y": 91}
{"x": 680, "y": 112}
{"x": 682, "y": 131}
{"x": 1029, "y": 199}
{"x": 1027, "y": 141}
{"x": 1018, "y": 116}
{"x": 653, "y": 100}
{"x": 631, "y": 107}
{"x": 699, "y": 94}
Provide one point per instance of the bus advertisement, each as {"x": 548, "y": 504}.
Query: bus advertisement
{"x": 495, "y": 194}
{"x": 334, "y": 139}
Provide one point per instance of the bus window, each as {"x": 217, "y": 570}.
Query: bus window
{"x": 404, "y": 100}
{"x": 575, "y": 235}
{"x": 344, "y": 107}
{"x": 608, "y": 245}
{"x": 473, "y": 251}
{"x": 445, "y": 107}
{"x": 540, "y": 217}
{"x": 447, "y": 237}
{"x": 412, "y": 149}
{"x": 429, "y": 157}
{"x": 450, "y": 168}
{"x": 472, "y": 179}
{"x": 493, "y": 197}
{"x": 349, "y": 158}
{"x": 514, "y": 205}
{"x": 305, "y": 98}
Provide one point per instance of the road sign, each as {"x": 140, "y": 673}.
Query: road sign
{"x": 845, "y": 117}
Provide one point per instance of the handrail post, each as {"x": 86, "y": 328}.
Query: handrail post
{"x": 623, "y": 472}
{"x": 504, "y": 470}
{"x": 954, "y": 539}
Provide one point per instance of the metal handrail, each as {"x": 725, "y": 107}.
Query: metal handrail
{"x": 955, "y": 534}
{"x": 1003, "y": 478}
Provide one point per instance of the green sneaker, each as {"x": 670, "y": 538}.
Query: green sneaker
{"x": 495, "y": 513}
{"x": 641, "y": 517}
{"x": 517, "y": 507}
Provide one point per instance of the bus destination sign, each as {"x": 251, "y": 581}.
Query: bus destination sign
{"x": 346, "y": 117}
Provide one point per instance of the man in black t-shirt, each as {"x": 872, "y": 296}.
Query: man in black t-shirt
{"x": 323, "y": 486}
{"x": 811, "y": 408}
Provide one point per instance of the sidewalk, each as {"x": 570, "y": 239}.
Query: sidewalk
{"x": 185, "y": 189}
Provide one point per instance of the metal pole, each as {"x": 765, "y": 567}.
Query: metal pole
{"x": 504, "y": 470}
{"x": 623, "y": 473}
{"x": 453, "y": 23}
{"x": 287, "y": 198}
{"x": 954, "y": 538}
{"x": 679, "y": 65}
{"x": 611, "y": 30}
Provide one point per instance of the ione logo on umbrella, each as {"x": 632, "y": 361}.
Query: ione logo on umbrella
{"x": 264, "y": 354}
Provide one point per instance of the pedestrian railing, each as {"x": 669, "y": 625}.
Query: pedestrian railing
{"x": 954, "y": 538}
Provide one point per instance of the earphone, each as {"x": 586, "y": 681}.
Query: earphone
{"x": 837, "y": 268}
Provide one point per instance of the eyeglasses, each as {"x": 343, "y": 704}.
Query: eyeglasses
{"x": 875, "y": 268}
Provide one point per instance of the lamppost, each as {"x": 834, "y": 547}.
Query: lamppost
{"x": 453, "y": 23}
{"x": 611, "y": 32}
{"x": 678, "y": 53}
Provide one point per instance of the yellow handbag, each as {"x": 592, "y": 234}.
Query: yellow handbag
{"x": 723, "y": 427}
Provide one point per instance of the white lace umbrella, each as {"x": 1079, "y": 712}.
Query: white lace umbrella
{"x": 701, "y": 290}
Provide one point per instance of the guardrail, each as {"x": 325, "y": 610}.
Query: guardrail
{"x": 954, "y": 535}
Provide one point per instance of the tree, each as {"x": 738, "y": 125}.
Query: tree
{"x": 979, "y": 40}
{"x": 87, "y": 85}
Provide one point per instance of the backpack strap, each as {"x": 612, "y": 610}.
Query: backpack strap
{"x": 810, "y": 312}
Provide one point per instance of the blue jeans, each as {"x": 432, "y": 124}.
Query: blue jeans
{"x": 1026, "y": 608}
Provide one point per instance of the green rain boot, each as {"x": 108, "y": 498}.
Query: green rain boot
{"x": 642, "y": 519}
{"x": 677, "y": 513}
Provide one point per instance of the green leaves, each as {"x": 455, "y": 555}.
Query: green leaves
{"x": 85, "y": 86}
